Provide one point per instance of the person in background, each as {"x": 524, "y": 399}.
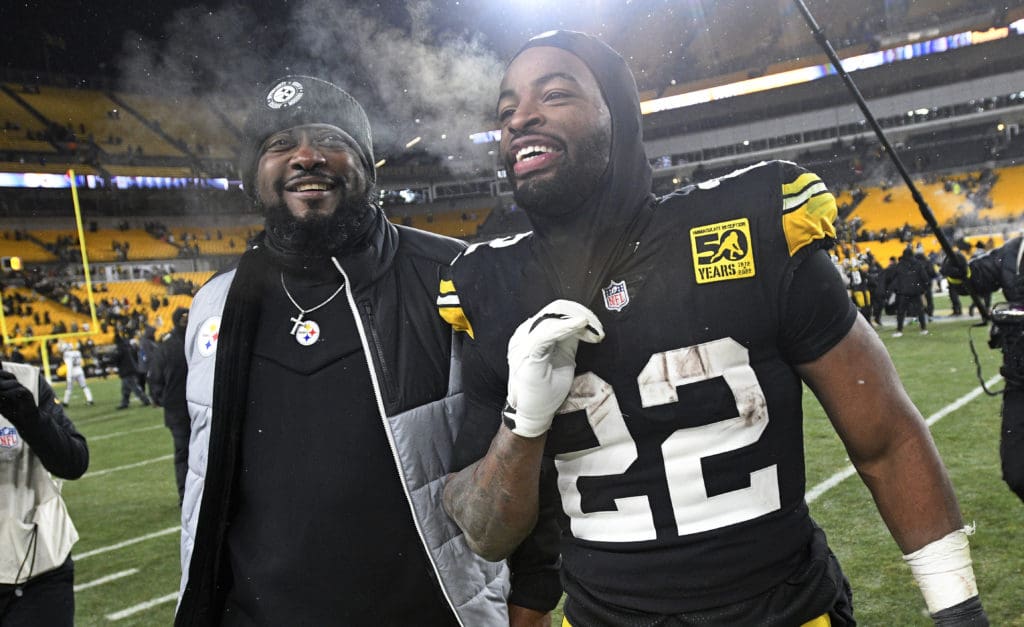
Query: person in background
{"x": 927, "y": 262}
{"x": 75, "y": 373}
{"x": 167, "y": 376}
{"x": 128, "y": 370}
{"x": 146, "y": 352}
{"x": 910, "y": 283}
{"x": 37, "y": 440}
{"x": 980, "y": 250}
{"x": 955, "y": 287}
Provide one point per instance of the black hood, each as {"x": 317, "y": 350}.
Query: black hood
{"x": 581, "y": 248}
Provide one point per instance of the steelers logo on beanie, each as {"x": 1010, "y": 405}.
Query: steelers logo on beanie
{"x": 285, "y": 94}
{"x": 297, "y": 100}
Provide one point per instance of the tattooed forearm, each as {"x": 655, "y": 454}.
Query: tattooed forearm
{"x": 494, "y": 500}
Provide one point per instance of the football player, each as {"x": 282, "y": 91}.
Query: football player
{"x": 671, "y": 337}
{"x": 75, "y": 373}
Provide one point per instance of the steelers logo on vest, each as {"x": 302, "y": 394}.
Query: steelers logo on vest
{"x": 284, "y": 94}
{"x": 206, "y": 338}
{"x": 722, "y": 251}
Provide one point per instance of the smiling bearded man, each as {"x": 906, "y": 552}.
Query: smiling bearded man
{"x": 315, "y": 212}
{"x": 317, "y": 377}
{"x": 635, "y": 368}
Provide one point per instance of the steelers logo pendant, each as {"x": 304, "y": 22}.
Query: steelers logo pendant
{"x": 308, "y": 333}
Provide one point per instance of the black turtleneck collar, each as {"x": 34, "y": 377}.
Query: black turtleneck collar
{"x": 364, "y": 259}
{"x": 314, "y": 267}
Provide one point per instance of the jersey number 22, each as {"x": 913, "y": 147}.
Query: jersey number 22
{"x": 631, "y": 520}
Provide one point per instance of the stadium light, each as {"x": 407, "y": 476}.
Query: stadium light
{"x": 380, "y": 163}
{"x": 412, "y": 142}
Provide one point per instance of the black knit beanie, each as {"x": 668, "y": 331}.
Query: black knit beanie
{"x": 296, "y": 100}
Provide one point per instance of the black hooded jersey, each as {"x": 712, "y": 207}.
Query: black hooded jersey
{"x": 678, "y": 454}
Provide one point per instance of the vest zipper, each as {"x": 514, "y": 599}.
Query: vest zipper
{"x": 378, "y": 348}
{"x": 375, "y": 382}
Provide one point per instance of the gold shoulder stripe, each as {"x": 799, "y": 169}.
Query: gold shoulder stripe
{"x": 802, "y": 181}
{"x": 789, "y": 203}
{"x": 457, "y": 318}
{"x": 811, "y": 220}
{"x": 449, "y": 307}
{"x": 823, "y": 205}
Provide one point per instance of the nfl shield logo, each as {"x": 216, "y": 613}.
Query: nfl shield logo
{"x": 615, "y": 296}
{"x": 8, "y": 437}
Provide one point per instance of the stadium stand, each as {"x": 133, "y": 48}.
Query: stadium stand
{"x": 115, "y": 244}
{"x": 21, "y": 131}
{"x": 461, "y": 224}
{"x": 202, "y": 132}
{"x": 15, "y": 245}
{"x": 1008, "y": 194}
{"x": 113, "y": 130}
{"x": 962, "y": 144}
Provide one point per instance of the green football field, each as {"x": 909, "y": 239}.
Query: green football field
{"x": 126, "y": 507}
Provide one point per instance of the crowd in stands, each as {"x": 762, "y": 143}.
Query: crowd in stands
{"x": 121, "y": 249}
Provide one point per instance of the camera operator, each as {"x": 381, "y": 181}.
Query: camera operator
{"x": 36, "y": 440}
{"x": 1000, "y": 268}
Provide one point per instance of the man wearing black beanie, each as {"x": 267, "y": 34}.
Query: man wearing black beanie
{"x": 639, "y": 362}
{"x": 324, "y": 395}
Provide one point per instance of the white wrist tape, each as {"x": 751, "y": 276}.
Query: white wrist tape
{"x": 943, "y": 570}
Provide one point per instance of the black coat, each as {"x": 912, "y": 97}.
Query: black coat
{"x": 127, "y": 362}
{"x": 998, "y": 269}
{"x": 167, "y": 375}
{"x": 911, "y": 277}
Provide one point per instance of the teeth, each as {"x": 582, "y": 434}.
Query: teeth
{"x": 311, "y": 187}
{"x": 533, "y": 151}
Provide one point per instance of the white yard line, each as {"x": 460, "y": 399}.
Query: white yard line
{"x": 94, "y": 438}
{"x": 106, "y": 579}
{"x": 817, "y": 491}
{"x": 107, "y": 471}
{"x": 95, "y": 419}
{"x": 141, "y": 607}
{"x": 121, "y": 545}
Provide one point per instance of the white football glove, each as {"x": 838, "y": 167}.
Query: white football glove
{"x": 542, "y": 364}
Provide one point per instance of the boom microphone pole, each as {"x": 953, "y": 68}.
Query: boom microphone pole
{"x": 922, "y": 205}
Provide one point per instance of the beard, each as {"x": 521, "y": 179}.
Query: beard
{"x": 571, "y": 184}
{"x": 318, "y": 235}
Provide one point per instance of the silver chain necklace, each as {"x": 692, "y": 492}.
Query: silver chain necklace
{"x": 306, "y": 332}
